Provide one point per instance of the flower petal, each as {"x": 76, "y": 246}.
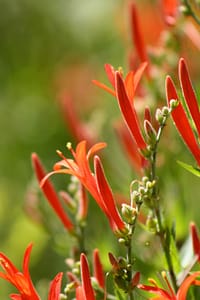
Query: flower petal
{"x": 49, "y": 191}
{"x": 189, "y": 93}
{"x": 181, "y": 121}
{"x": 170, "y": 9}
{"x": 156, "y": 290}
{"x": 104, "y": 87}
{"x": 85, "y": 275}
{"x": 107, "y": 197}
{"x": 128, "y": 112}
{"x": 137, "y": 36}
{"x": 195, "y": 239}
{"x": 55, "y": 286}
{"x": 98, "y": 269}
{"x": 80, "y": 295}
{"x": 110, "y": 71}
{"x": 182, "y": 292}
{"x": 96, "y": 147}
{"x": 138, "y": 74}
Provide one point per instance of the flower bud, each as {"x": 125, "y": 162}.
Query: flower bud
{"x": 173, "y": 104}
{"x": 135, "y": 196}
{"x": 129, "y": 213}
{"x": 150, "y": 132}
{"x": 144, "y": 179}
{"x": 159, "y": 116}
{"x": 141, "y": 190}
{"x": 122, "y": 241}
{"x": 165, "y": 111}
{"x": 150, "y": 184}
{"x": 184, "y": 9}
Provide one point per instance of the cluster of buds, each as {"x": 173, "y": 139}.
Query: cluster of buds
{"x": 144, "y": 192}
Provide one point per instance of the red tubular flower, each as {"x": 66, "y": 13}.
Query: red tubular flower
{"x": 80, "y": 295}
{"x": 195, "y": 240}
{"x": 131, "y": 80}
{"x": 128, "y": 112}
{"x": 83, "y": 203}
{"x": 170, "y": 294}
{"x": 189, "y": 94}
{"x": 86, "y": 281}
{"x": 98, "y": 269}
{"x": 50, "y": 193}
{"x": 137, "y": 160}
{"x": 107, "y": 196}
{"x": 170, "y": 10}
{"x": 136, "y": 34}
{"x": 78, "y": 129}
{"x": 80, "y": 168}
{"x": 21, "y": 280}
{"x": 54, "y": 291}
{"x": 179, "y": 115}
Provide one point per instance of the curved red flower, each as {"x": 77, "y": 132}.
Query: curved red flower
{"x": 107, "y": 197}
{"x": 21, "y": 280}
{"x": 94, "y": 183}
{"x": 179, "y": 114}
{"x": 55, "y": 286}
{"x": 195, "y": 240}
{"x": 170, "y": 10}
{"x": 129, "y": 113}
{"x": 137, "y": 36}
{"x": 50, "y": 193}
{"x": 131, "y": 80}
{"x": 98, "y": 269}
{"x": 86, "y": 280}
{"x": 170, "y": 294}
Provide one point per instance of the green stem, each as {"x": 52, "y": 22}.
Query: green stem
{"x": 129, "y": 262}
{"x": 80, "y": 238}
{"x": 161, "y": 230}
{"x": 129, "y": 251}
{"x": 190, "y": 11}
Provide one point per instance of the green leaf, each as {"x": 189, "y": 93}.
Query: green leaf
{"x": 120, "y": 294}
{"x": 172, "y": 249}
{"x": 194, "y": 170}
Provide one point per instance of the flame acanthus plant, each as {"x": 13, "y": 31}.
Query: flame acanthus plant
{"x": 141, "y": 138}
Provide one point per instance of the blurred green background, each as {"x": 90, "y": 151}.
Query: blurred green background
{"x": 48, "y": 47}
{"x": 40, "y": 42}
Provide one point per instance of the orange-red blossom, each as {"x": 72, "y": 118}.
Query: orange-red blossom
{"x": 22, "y": 280}
{"x": 95, "y": 183}
{"x": 50, "y": 193}
{"x": 124, "y": 91}
{"x": 169, "y": 294}
{"x": 179, "y": 114}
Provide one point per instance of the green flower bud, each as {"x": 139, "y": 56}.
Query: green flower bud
{"x": 159, "y": 116}
{"x": 135, "y": 196}
{"x": 129, "y": 213}
{"x": 144, "y": 179}
{"x": 173, "y": 104}
{"x": 141, "y": 190}
{"x": 165, "y": 111}
{"x": 122, "y": 241}
{"x": 150, "y": 184}
{"x": 150, "y": 132}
